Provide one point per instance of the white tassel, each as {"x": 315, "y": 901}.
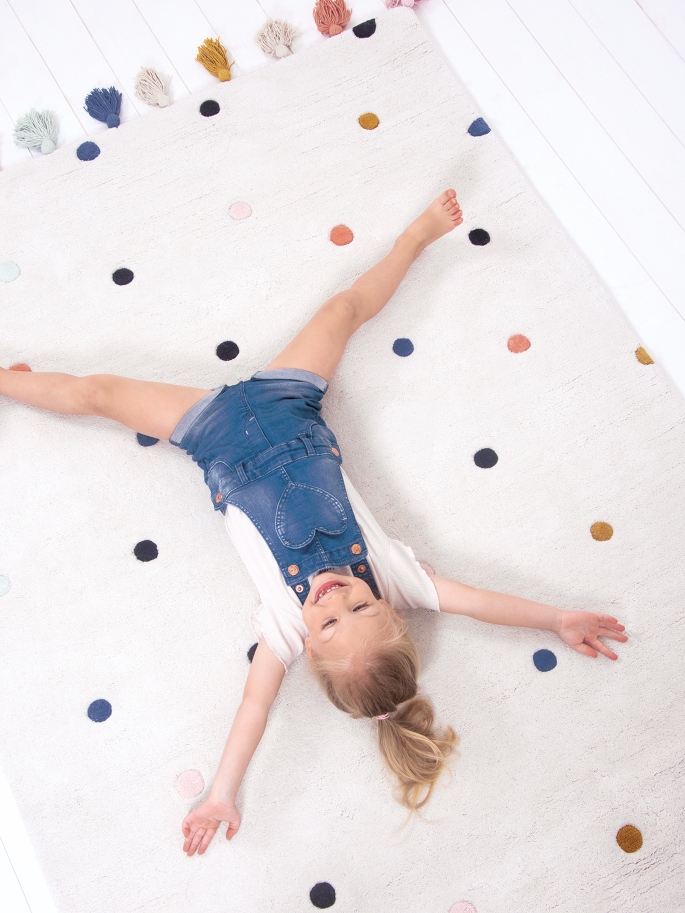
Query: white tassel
{"x": 37, "y": 129}
{"x": 152, "y": 88}
{"x": 276, "y": 37}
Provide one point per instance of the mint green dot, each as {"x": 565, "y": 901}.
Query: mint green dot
{"x": 8, "y": 271}
{"x": 4, "y": 585}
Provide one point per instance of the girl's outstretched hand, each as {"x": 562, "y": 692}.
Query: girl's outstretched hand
{"x": 202, "y": 823}
{"x": 581, "y": 631}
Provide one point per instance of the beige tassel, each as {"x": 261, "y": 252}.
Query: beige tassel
{"x": 212, "y": 56}
{"x": 152, "y": 88}
{"x": 276, "y": 37}
{"x": 331, "y": 16}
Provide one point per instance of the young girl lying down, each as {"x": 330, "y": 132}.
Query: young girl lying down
{"x": 330, "y": 580}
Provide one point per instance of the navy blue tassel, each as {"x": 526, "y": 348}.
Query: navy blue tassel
{"x": 104, "y": 105}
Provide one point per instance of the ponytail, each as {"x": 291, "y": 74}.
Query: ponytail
{"x": 379, "y": 678}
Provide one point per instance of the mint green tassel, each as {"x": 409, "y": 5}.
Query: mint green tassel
{"x": 37, "y": 129}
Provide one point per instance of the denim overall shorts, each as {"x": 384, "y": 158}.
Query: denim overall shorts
{"x": 264, "y": 447}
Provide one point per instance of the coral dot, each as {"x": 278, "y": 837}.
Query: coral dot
{"x": 601, "y": 531}
{"x": 209, "y": 108}
{"x": 479, "y": 127}
{"x": 146, "y": 550}
{"x": 485, "y": 458}
{"x": 227, "y": 351}
{"x": 190, "y": 783}
{"x": 403, "y": 347}
{"x": 643, "y": 356}
{"x": 341, "y": 235}
{"x": 9, "y": 271}
{"x": 20, "y": 367}
{"x": 629, "y": 838}
{"x": 5, "y": 585}
{"x": 322, "y": 895}
{"x": 145, "y": 441}
{"x": 462, "y": 907}
{"x": 369, "y": 121}
{"x": 544, "y": 660}
{"x": 479, "y": 237}
{"x": 122, "y": 276}
{"x": 518, "y": 343}
{"x": 365, "y": 29}
{"x": 100, "y": 710}
{"x": 240, "y": 211}
{"x": 88, "y": 151}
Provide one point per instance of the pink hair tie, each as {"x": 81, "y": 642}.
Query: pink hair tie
{"x": 384, "y": 717}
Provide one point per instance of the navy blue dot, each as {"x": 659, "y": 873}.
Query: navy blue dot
{"x": 209, "y": 108}
{"x": 99, "y": 711}
{"x": 485, "y": 458}
{"x": 479, "y": 127}
{"x": 322, "y": 895}
{"x": 403, "y": 347}
{"x": 251, "y": 652}
{"x": 479, "y": 237}
{"x": 86, "y": 152}
{"x": 365, "y": 29}
{"x": 544, "y": 660}
{"x": 145, "y": 441}
{"x": 227, "y": 351}
{"x": 122, "y": 276}
{"x": 146, "y": 550}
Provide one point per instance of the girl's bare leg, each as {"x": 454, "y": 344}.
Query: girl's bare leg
{"x": 320, "y": 344}
{"x": 145, "y": 406}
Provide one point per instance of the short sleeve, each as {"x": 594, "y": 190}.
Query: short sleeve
{"x": 409, "y": 585}
{"x": 284, "y": 633}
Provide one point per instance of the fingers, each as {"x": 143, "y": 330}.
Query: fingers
{"x": 583, "y": 648}
{"x": 600, "y": 648}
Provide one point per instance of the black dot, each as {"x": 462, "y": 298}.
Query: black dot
{"x": 251, "y": 652}
{"x": 479, "y": 236}
{"x": 227, "y": 351}
{"x": 145, "y": 550}
{"x": 209, "y": 108}
{"x": 403, "y": 347}
{"x": 99, "y": 711}
{"x": 122, "y": 276}
{"x": 485, "y": 458}
{"x": 88, "y": 151}
{"x": 145, "y": 441}
{"x": 322, "y": 895}
{"x": 365, "y": 29}
{"x": 479, "y": 127}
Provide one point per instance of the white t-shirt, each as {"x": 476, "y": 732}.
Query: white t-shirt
{"x": 401, "y": 580}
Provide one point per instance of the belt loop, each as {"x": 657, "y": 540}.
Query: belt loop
{"x": 308, "y": 443}
{"x": 242, "y": 475}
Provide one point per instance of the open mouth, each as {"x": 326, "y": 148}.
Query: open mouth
{"x": 327, "y": 587}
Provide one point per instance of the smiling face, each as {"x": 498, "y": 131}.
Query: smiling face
{"x": 341, "y": 616}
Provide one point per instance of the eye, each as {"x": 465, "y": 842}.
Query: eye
{"x": 362, "y": 605}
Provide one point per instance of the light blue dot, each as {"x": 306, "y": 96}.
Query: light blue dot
{"x": 403, "y": 347}
{"x": 5, "y": 585}
{"x": 544, "y": 660}
{"x": 479, "y": 127}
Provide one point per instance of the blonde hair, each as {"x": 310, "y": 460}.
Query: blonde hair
{"x": 380, "y": 676}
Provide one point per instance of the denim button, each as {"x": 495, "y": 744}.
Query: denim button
{"x": 362, "y": 568}
{"x": 299, "y": 588}
{"x": 335, "y": 451}
{"x": 293, "y": 569}
{"x": 356, "y": 548}
{"x": 218, "y": 497}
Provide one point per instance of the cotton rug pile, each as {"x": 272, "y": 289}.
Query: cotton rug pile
{"x": 499, "y": 416}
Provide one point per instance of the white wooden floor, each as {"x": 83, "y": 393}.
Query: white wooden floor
{"x": 589, "y": 96}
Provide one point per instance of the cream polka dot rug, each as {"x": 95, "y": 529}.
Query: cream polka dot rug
{"x": 499, "y": 416}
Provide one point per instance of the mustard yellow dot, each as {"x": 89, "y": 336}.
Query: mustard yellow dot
{"x": 601, "y": 531}
{"x": 369, "y": 121}
{"x": 629, "y": 838}
{"x": 643, "y": 356}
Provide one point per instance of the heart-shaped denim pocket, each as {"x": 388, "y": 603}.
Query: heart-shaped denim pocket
{"x": 302, "y": 509}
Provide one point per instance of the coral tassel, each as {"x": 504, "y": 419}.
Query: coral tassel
{"x": 152, "y": 88}
{"x": 331, "y": 16}
{"x": 212, "y": 55}
{"x": 104, "y": 105}
{"x": 37, "y": 128}
{"x": 276, "y": 37}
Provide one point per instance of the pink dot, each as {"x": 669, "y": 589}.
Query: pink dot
{"x": 518, "y": 343}
{"x": 240, "y": 211}
{"x": 427, "y": 568}
{"x": 463, "y": 907}
{"x": 190, "y": 783}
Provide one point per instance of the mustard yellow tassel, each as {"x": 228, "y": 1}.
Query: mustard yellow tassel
{"x": 212, "y": 55}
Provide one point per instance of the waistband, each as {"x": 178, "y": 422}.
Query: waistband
{"x": 292, "y": 374}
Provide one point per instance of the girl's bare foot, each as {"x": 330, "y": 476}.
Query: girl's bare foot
{"x": 442, "y": 216}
